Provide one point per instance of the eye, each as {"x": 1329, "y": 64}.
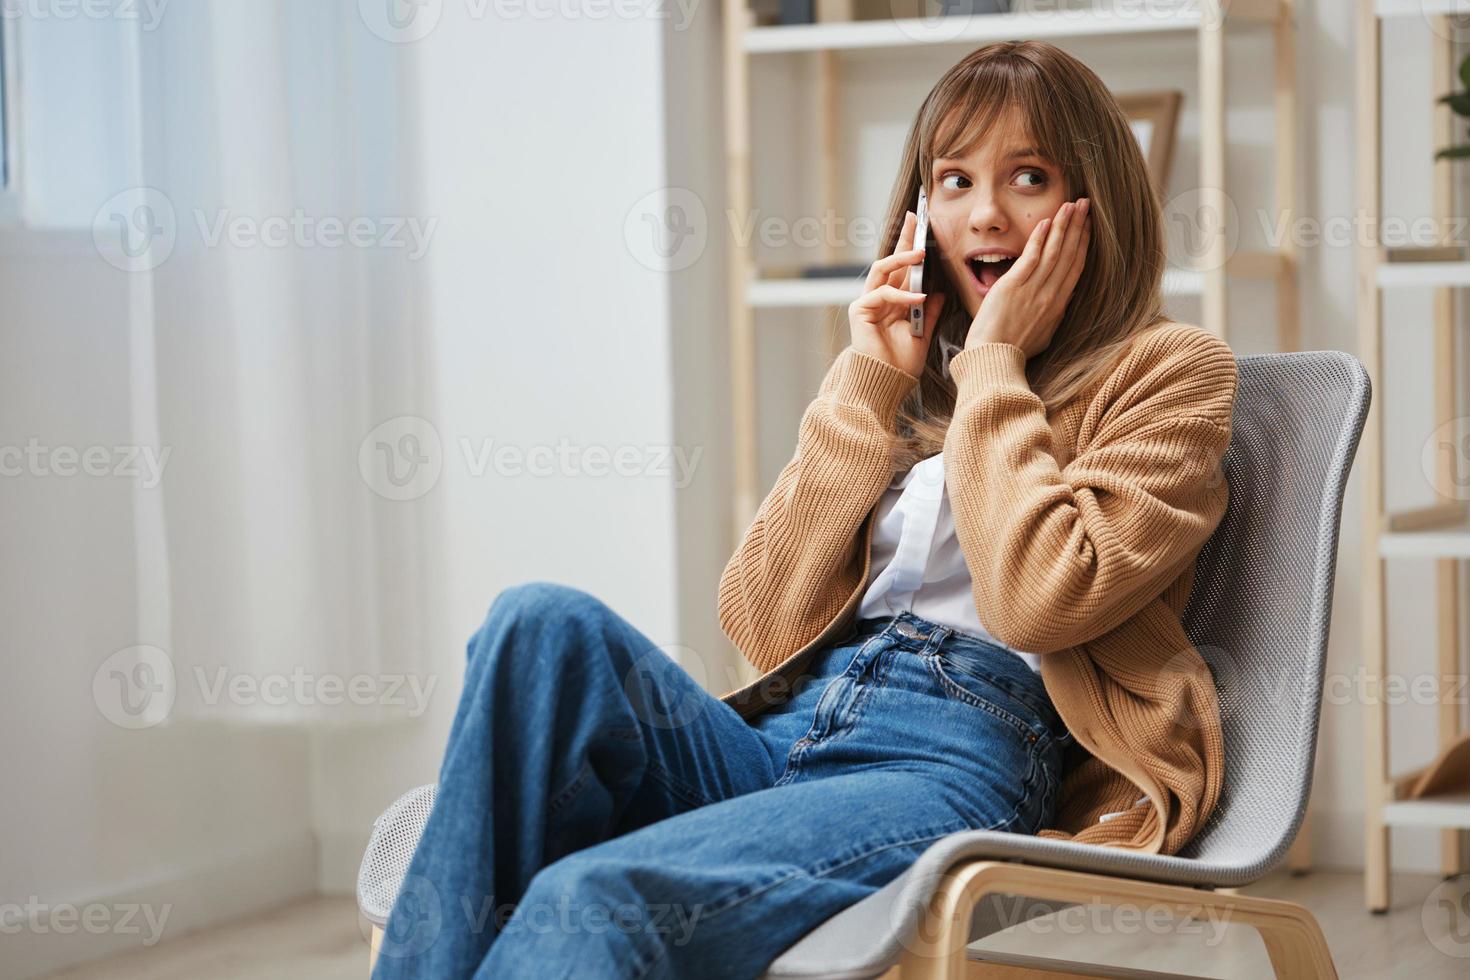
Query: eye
{"x": 948, "y": 175}
{"x": 1040, "y": 176}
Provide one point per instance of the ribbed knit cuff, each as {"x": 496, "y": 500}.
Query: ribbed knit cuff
{"x": 989, "y": 365}
{"x": 861, "y": 379}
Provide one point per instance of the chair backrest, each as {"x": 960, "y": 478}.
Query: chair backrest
{"x": 1262, "y": 594}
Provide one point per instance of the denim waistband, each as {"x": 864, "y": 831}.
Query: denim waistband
{"x": 1004, "y": 668}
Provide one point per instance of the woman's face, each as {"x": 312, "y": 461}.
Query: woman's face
{"x": 986, "y": 204}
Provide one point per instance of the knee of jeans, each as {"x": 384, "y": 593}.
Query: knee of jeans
{"x": 535, "y": 602}
{"x": 542, "y": 600}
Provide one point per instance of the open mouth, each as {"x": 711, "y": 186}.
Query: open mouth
{"x": 987, "y": 272}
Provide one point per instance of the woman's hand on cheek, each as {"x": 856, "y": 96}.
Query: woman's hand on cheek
{"x": 1025, "y": 305}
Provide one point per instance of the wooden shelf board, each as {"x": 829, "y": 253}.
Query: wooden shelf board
{"x": 1446, "y": 810}
{"x": 1446, "y": 541}
{"x": 1408, "y": 274}
{"x": 840, "y": 291}
{"x": 960, "y": 29}
{"x": 1418, "y": 8}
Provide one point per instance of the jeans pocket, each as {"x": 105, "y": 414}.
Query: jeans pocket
{"x": 981, "y": 692}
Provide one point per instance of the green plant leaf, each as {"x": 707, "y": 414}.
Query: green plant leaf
{"x": 1459, "y": 102}
{"x": 1453, "y": 152}
{"x": 1465, "y": 71}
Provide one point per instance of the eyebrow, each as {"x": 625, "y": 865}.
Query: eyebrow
{"x": 1025, "y": 151}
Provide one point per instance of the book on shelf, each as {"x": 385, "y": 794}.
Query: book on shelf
{"x": 836, "y": 270}
{"x": 1424, "y": 253}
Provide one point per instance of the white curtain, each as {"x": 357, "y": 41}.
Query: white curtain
{"x": 284, "y": 327}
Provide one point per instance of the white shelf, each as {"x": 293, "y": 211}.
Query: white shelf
{"x": 1445, "y": 810}
{"x": 1046, "y": 24}
{"x": 840, "y": 291}
{"x": 1420, "y": 8}
{"x": 1447, "y": 541}
{"x": 1407, "y": 274}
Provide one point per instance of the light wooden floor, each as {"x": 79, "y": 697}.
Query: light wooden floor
{"x": 320, "y": 939}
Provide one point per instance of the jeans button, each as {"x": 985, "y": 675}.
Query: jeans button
{"x": 908, "y": 630}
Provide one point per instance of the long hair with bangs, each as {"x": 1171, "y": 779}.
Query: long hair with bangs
{"x": 1072, "y": 118}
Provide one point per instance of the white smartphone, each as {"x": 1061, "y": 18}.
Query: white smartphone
{"x": 916, "y": 272}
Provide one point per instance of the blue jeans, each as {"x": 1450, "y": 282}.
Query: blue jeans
{"x": 600, "y": 814}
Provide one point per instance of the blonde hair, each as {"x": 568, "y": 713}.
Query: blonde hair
{"x": 1074, "y": 121}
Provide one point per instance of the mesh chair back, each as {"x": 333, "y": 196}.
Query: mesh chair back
{"x": 1262, "y": 594}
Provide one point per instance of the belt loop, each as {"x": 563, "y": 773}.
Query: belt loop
{"x": 936, "y": 637}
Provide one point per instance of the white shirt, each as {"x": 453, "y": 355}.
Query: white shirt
{"x": 916, "y": 563}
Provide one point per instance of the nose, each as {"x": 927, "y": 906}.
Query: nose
{"x": 986, "y": 214}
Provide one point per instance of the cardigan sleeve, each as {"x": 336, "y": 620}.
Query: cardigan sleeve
{"x": 1059, "y": 555}
{"x": 799, "y": 561}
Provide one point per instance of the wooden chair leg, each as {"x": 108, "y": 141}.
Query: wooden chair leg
{"x": 1293, "y": 939}
{"x": 373, "y": 944}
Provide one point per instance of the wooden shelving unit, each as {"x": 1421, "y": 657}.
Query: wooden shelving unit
{"x": 1200, "y": 22}
{"x": 1440, "y": 531}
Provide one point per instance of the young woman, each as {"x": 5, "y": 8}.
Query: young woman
{"x": 1044, "y": 461}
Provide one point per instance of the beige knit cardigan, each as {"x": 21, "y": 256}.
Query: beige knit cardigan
{"x": 1079, "y": 529}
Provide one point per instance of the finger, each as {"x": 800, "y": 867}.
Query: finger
{"x": 1077, "y": 261}
{"x": 906, "y": 236}
{"x": 1026, "y": 264}
{"x": 886, "y": 295}
{"x": 1067, "y": 254}
{"x": 1055, "y": 238}
{"x": 898, "y": 260}
{"x": 877, "y": 272}
{"x": 900, "y": 277}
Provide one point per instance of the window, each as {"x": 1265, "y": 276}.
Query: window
{"x": 9, "y": 123}
{"x": 4, "y": 116}
{"x": 9, "y": 159}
